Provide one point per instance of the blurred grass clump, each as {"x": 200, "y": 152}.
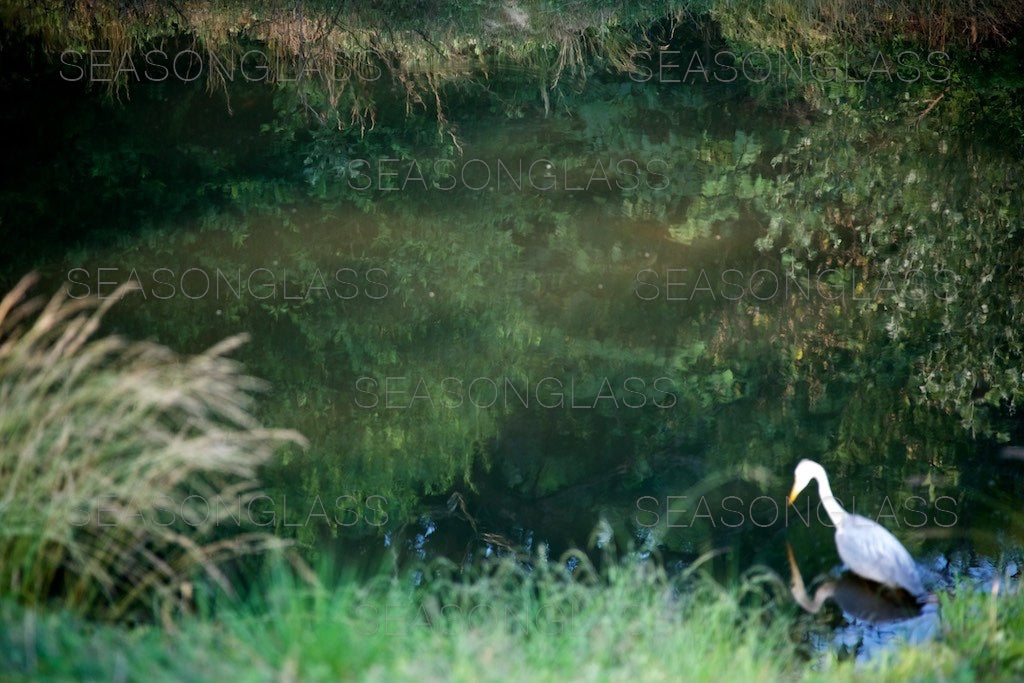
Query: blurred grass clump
{"x": 112, "y": 456}
{"x": 502, "y": 622}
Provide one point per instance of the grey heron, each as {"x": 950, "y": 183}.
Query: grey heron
{"x": 868, "y": 549}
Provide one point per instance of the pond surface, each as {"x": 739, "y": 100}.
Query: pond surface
{"x": 613, "y": 324}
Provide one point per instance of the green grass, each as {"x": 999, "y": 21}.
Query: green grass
{"x": 630, "y": 625}
{"x": 524, "y": 627}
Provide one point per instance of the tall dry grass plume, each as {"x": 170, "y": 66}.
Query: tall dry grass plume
{"x": 102, "y": 443}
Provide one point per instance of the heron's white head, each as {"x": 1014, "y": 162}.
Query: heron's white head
{"x": 806, "y": 470}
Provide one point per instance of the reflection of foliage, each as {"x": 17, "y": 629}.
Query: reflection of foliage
{"x": 529, "y": 283}
{"x": 865, "y": 194}
{"x": 924, "y": 212}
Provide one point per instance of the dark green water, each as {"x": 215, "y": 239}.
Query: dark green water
{"x": 616, "y": 327}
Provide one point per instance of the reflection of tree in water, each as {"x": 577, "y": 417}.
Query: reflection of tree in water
{"x": 531, "y": 284}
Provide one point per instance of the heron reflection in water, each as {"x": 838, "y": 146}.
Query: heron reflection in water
{"x": 856, "y": 596}
{"x": 877, "y": 615}
{"x": 868, "y": 549}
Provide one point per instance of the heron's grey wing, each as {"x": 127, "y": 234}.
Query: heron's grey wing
{"x": 871, "y": 551}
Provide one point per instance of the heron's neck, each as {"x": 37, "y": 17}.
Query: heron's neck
{"x": 835, "y": 511}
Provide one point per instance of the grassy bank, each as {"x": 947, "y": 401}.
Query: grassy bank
{"x": 445, "y": 26}
{"x": 341, "y": 55}
{"x": 508, "y": 625}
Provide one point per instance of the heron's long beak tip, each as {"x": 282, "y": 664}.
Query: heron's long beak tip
{"x": 792, "y": 496}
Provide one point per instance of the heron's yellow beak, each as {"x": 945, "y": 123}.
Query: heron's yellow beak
{"x": 792, "y": 495}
